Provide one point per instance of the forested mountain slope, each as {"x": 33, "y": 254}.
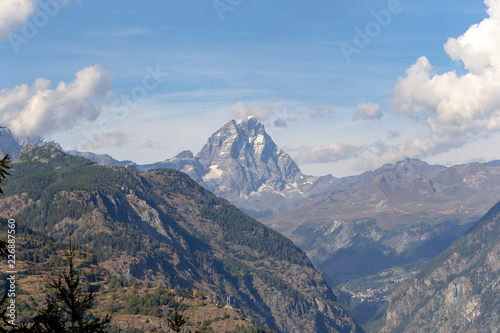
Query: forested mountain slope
{"x": 161, "y": 227}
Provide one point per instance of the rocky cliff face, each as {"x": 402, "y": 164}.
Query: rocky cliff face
{"x": 244, "y": 165}
{"x": 394, "y": 208}
{"x": 242, "y": 158}
{"x": 241, "y": 163}
{"x": 163, "y": 228}
{"x": 456, "y": 292}
{"x": 9, "y": 144}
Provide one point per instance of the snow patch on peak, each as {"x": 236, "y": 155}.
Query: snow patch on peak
{"x": 214, "y": 173}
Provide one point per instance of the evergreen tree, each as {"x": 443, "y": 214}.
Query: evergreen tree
{"x": 68, "y": 306}
{"x": 4, "y": 165}
{"x": 176, "y": 320}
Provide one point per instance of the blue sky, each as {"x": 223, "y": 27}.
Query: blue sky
{"x": 279, "y": 60}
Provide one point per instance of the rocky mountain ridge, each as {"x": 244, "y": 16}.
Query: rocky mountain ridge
{"x": 456, "y": 292}
{"x": 400, "y": 215}
{"x": 10, "y": 144}
{"x": 241, "y": 163}
{"x": 161, "y": 227}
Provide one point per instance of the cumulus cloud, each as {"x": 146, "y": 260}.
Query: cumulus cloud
{"x": 320, "y": 111}
{"x": 274, "y": 113}
{"x": 457, "y": 108}
{"x": 242, "y": 110}
{"x": 39, "y": 110}
{"x": 327, "y": 154}
{"x": 13, "y": 13}
{"x": 367, "y": 111}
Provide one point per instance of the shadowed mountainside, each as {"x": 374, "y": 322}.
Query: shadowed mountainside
{"x": 163, "y": 228}
{"x": 459, "y": 291}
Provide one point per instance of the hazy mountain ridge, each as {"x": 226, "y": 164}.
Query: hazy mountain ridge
{"x": 397, "y": 199}
{"x": 162, "y": 227}
{"x": 395, "y": 216}
{"x": 456, "y": 292}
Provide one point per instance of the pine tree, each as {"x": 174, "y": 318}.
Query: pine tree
{"x": 68, "y": 305}
{"x": 176, "y": 320}
{"x": 4, "y": 165}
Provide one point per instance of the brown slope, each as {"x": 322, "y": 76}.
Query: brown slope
{"x": 162, "y": 227}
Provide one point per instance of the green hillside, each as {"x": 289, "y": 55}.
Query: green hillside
{"x": 162, "y": 229}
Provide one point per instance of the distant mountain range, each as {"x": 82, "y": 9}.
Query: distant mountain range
{"x": 9, "y": 144}
{"x": 357, "y": 230}
{"x": 392, "y": 219}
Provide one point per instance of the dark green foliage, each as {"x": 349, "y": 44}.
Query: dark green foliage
{"x": 4, "y": 166}
{"x": 68, "y": 307}
{"x": 190, "y": 248}
{"x": 175, "y": 319}
{"x": 151, "y": 303}
{"x": 240, "y": 229}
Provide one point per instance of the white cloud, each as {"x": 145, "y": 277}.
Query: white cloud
{"x": 39, "y": 110}
{"x": 456, "y": 108}
{"x": 274, "y": 113}
{"x": 327, "y": 154}
{"x": 380, "y": 153}
{"x": 242, "y": 110}
{"x": 367, "y": 111}
{"x": 13, "y": 13}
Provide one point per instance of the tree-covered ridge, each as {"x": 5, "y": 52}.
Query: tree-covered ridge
{"x": 162, "y": 228}
{"x": 69, "y": 174}
{"x": 142, "y": 304}
{"x": 237, "y": 228}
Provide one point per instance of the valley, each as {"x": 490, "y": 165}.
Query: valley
{"x": 366, "y": 234}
